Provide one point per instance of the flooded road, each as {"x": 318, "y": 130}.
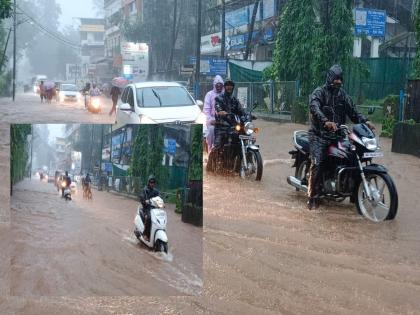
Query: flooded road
{"x": 28, "y": 109}
{"x": 87, "y": 248}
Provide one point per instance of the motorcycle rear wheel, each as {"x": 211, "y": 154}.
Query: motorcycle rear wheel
{"x": 385, "y": 204}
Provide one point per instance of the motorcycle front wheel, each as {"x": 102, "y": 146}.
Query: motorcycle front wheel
{"x": 161, "y": 247}
{"x": 384, "y": 203}
{"x": 255, "y": 166}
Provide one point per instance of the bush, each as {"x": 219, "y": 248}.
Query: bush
{"x": 390, "y": 105}
{"x": 300, "y": 111}
{"x": 388, "y": 125}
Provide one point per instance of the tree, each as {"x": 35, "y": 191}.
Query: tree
{"x": 5, "y": 9}
{"x": 417, "y": 31}
{"x": 251, "y": 29}
{"x": 294, "y": 51}
{"x": 18, "y": 152}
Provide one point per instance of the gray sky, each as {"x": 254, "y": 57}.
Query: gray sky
{"x": 75, "y": 8}
{"x": 55, "y": 131}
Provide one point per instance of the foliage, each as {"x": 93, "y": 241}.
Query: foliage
{"x": 5, "y": 83}
{"x": 410, "y": 122}
{"x": 388, "y": 125}
{"x": 136, "y": 31}
{"x": 18, "y": 152}
{"x": 5, "y": 9}
{"x": 196, "y": 164}
{"x": 148, "y": 154}
{"x": 416, "y": 73}
{"x": 300, "y": 111}
{"x": 390, "y": 105}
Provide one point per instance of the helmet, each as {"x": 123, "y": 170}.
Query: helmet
{"x": 151, "y": 178}
{"x": 230, "y": 82}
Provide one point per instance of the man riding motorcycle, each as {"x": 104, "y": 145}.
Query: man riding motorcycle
{"x": 225, "y": 104}
{"x": 329, "y": 105}
{"x": 67, "y": 180}
{"x": 148, "y": 193}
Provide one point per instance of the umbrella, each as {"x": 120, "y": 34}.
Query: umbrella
{"x": 120, "y": 82}
{"x": 49, "y": 85}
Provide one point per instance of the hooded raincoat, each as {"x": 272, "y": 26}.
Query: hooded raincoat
{"x": 209, "y": 111}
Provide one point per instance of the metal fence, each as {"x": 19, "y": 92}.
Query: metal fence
{"x": 271, "y": 97}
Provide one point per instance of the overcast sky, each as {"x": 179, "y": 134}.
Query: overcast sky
{"x": 75, "y": 8}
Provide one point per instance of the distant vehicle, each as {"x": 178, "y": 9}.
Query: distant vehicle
{"x": 158, "y": 102}
{"x": 69, "y": 93}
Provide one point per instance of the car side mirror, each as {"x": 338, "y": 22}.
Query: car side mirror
{"x": 126, "y": 107}
{"x": 200, "y": 104}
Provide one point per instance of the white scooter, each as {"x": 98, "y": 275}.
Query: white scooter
{"x": 158, "y": 238}
{"x": 67, "y": 191}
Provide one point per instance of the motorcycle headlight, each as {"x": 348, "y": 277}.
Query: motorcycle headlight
{"x": 96, "y": 104}
{"x": 370, "y": 143}
{"x": 249, "y": 128}
{"x": 146, "y": 120}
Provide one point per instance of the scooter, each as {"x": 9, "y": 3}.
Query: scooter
{"x": 67, "y": 191}
{"x": 158, "y": 239}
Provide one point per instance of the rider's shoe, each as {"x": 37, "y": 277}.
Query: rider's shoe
{"x": 313, "y": 203}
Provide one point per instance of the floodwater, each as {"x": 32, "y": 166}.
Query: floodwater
{"x": 87, "y": 248}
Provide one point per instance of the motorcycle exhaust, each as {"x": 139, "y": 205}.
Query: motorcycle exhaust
{"x": 291, "y": 180}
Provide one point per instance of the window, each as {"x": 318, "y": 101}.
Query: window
{"x": 164, "y": 97}
{"x": 98, "y": 37}
{"x": 83, "y": 35}
{"x": 124, "y": 96}
{"x": 130, "y": 97}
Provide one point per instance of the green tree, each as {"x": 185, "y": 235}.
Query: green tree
{"x": 294, "y": 52}
{"x": 5, "y": 9}
{"x": 18, "y": 152}
{"x": 139, "y": 160}
{"x": 196, "y": 162}
{"x": 417, "y": 30}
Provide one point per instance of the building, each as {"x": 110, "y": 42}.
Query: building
{"x": 92, "y": 33}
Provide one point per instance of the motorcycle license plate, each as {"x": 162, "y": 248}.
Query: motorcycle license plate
{"x": 246, "y": 137}
{"x": 369, "y": 155}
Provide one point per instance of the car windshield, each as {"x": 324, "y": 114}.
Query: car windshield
{"x": 69, "y": 87}
{"x": 170, "y": 96}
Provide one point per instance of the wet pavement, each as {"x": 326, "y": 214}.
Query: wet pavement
{"x": 28, "y": 108}
{"x": 87, "y": 248}
{"x": 264, "y": 253}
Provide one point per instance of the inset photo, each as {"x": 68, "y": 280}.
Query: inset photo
{"x": 101, "y": 210}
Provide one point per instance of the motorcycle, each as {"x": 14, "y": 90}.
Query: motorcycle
{"x": 349, "y": 172}
{"x": 239, "y": 154}
{"x": 67, "y": 191}
{"x": 94, "y": 105}
{"x": 158, "y": 239}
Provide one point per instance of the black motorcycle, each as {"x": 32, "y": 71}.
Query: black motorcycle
{"x": 349, "y": 172}
{"x": 239, "y": 153}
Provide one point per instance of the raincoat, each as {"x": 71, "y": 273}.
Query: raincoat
{"x": 209, "y": 111}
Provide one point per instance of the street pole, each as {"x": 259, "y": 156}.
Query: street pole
{"x": 14, "y": 49}
{"x": 198, "y": 52}
{"x": 32, "y": 144}
{"x": 222, "y": 52}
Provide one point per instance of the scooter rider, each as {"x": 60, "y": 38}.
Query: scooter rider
{"x": 329, "y": 105}
{"x": 225, "y": 104}
{"x": 67, "y": 180}
{"x": 148, "y": 193}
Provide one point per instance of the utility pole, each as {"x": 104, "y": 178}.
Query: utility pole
{"x": 198, "y": 52}
{"x": 14, "y": 49}
{"x": 222, "y": 52}
{"x": 32, "y": 144}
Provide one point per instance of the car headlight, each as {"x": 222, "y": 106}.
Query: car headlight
{"x": 201, "y": 119}
{"x": 249, "y": 128}
{"x": 146, "y": 120}
{"x": 370, "y": 143}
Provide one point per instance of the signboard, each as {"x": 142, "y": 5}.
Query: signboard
{"x": 370, "y": 22}
{"x": 170, "y": 146}
{"x": 73, "y": 71}
{"x": 243, "y": 16}
{"x": 135, "y": 61}
{"x": 269, "y": 9}
{"x": 92, "y": 28}
{"x": 239, "y": 41}
{"x": 237, "y": 18}
{"x": 107, "y": 167}
{"x": 211, "y": 43}
{"x": 106, "y": 153}
{"x": 211, "y": 66}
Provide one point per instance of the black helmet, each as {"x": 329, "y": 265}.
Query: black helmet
{"x": 334, "y": 73}
{"x": 152, "y": 178}
{"x": 230, "y": 82}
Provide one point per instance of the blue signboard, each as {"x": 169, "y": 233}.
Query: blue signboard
{"x": 239, "y": 41}
{"x": 237, "y": 18}
{"x": 107, "y": 167}
{"x": 211, "y": 66}
{"x": 170, "y": 146}
{"x": 370, "y": 22}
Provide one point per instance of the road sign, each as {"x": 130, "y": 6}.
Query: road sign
{"x": 212, "y": 66}
{"x": 370, "y": 22}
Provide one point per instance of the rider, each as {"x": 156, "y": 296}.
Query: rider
{"x": 95, "y": 91}
{"x": 225, "y": 104}
{"x": 67, "y": 180}
{"x": 329, "y": 105}
{"x": 87, "y": 181}
{"x": 148, "y": 193}
{"x": 209, "y": 109}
